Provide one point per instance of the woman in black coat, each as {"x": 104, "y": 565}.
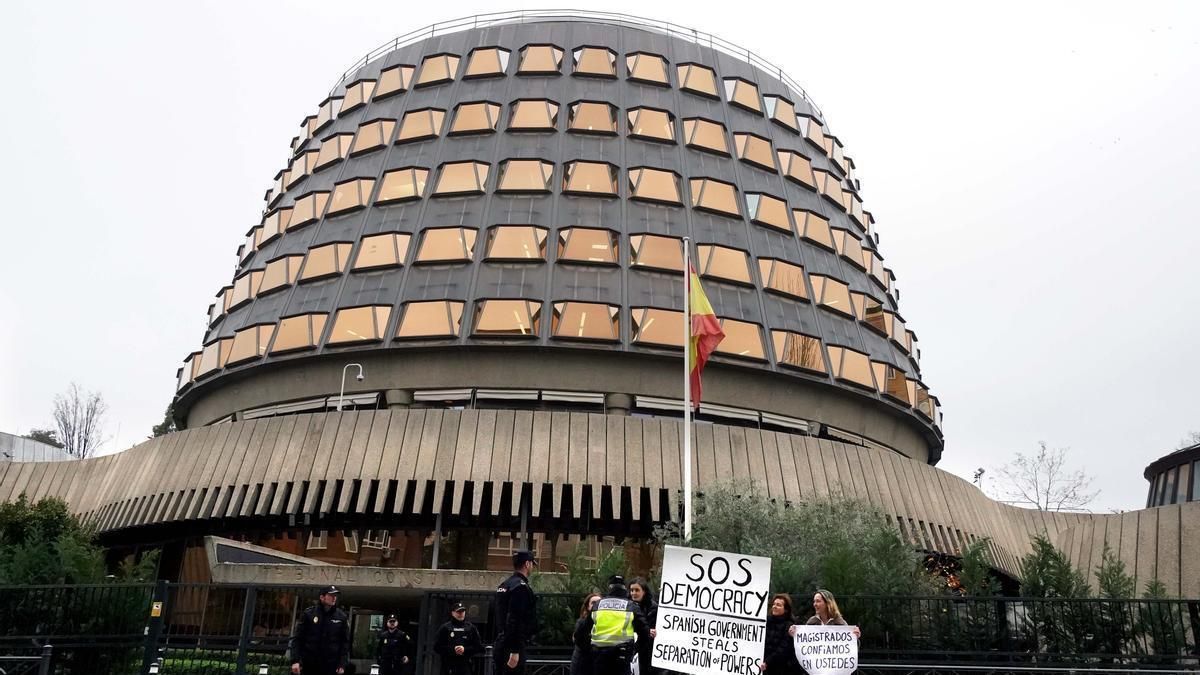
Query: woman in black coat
{"x": 779, "y": 651}
{"x": 639, "y": 592}
{"x": 581, "y": 660}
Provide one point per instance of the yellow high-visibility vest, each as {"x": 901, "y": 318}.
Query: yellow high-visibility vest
{"x": 612, "y": 623}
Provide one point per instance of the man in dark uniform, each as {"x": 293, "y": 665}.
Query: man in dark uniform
{"x": 320, "y": 644}
{"x": 516, "y": 616}
{"x": 610, "y": 630}
{"x": 457, "y": 641}
{"x": 395, "y": 648}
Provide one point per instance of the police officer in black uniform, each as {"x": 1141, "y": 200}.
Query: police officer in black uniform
{"x": 457, "y": 641}
{"x": 516, "y": 616}
{"x": 320, "y": 644}
{"x": 394, "y": 649}
{"x": 614, "y": 628}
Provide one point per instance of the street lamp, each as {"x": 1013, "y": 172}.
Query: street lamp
{"x": 360, "y": 378}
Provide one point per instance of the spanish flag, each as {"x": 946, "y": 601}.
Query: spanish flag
{"x": 706, "y": 332}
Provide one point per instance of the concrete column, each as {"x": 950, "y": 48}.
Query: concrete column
{"x": 618, "y": 404}
{"x": 398, "y": 398}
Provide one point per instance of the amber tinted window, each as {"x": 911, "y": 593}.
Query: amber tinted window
{"x": 358, "y": 94}
{"x": 742, "y": 339}
{"x": 475, "y": 118}
{"x": 359, "y": 324}
{"x": 712, "y": 195}
{"x": 697, "y": 79}
{"x": 420, "y": 125}
{"x": 516, "y": 242}
{"x": 798, "y": 351}
{"x": 402, "y": 185}
{"x": 540, "y": 60}
{"x": 437, "y": 69}
{"x": 301, "y": 167}
{"x": 727, "y": 264}
{"x": 350, "y": 195}
{"x": 592, "y": 117}
{"x": 832, "y": 293}
{"x": 754, "y": 150}
{"x": 781, "y": 111}
{"x": 446, "y": 244}
{"x": 486, "y": 62}
{"x": 654, "y": 185}
{"x": 333, "y": 149}
{"x": 813, "y": 227}
{"x": 394, "y": 80}
{"x": 214, "y": 356}
{"x": 308, "y": 208}
{"x": 657, "y": 326}
{"x": 326, "y": 260}
{"x": 851, "y": 366}
{"x": 870, "y": 311}
{"x": 656, "y": 252}
{"x": 595, "y": 62}
{"x": 849, "y": 247}
{"x": 796, "y": 168}
{"x": 525, "y": 175}
{"x": 586, "y": 244}
{"x": 244, "y": 288}
{"x": 703, "y": 134}
{"x": 372, "y": 136}
{"x": 585, "y": 321}
{"x": 274, "y": 223}
{"x": 507, "y": 318}
{"x": 435, "y": 318}
{"x": 651, "y": 125}
{"x": 280, "y": 272}
{"x": 649, "y": 68}
{"x": 382, "y": 250}
{"x": 298, "y": 332}
{"x": 533, "y": 115}
{"x": 782, "y": 277}
{"x": 741, "y": 93}
{"x": 327, "y": 113}
{"x": 461, "y": 178}
{"x": 769, "y": 211}
{"x": 590, "y": 178}
{"x": 891, "y": 381}
{"x": 812, "y": 131}
{"x": 250, "y": 343}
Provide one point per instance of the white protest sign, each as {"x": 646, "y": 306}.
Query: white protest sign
{"x": 827, "y": 650}
{"x": 712, "y": 612}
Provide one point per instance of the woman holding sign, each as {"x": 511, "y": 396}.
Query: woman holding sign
{"x": 826, "y": 613}
{"x": 779, "y": 654}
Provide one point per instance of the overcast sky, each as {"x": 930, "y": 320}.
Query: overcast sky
{"x": 1033, "y": 170}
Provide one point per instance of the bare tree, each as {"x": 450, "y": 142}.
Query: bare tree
{"x": 79, "y": 416}
{"x": 1044, "y": 481}
{"x": 1193, "y": 438}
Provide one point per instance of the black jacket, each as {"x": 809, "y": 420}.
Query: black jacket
{"x": 581, "y": 657}
{"x": 457, "y": 634}
{"x": 322, "y": 636}
{"x": 392, "y": 646}
{"x": 516, "y": 615}
{"x": 779, "y": 650}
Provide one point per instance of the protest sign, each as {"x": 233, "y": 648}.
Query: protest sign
{"x": 712, "y": 612}
{"x": 826, "y": 650}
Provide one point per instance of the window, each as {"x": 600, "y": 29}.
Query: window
{"x": 461, "y": 178}
{"x": 798, "y": 350}
{"x": 796, "y": 168}
{"x": 875, "y": 268}
{"x": 244, "y": 288}
{"x": 830, "y": 186}
{"x": 781, "y": 111}
{"x": 475, "y": 118}
{"x": 649, "y": 68}
{"x": 596, "y": 179}
{"x": 378, "y": 539}
{"x": 430, "y": 319}
{"x": 585, "y": 321}
{"x": 359, "y": 324}
{"x": 327, "y": 112}
{"x": 783, "y": 278}
{"x": 350, "y": 541}
{"x": 298, "y": 332}
{"x": 333, "y": 149}
{"x": 768, "y": 211}
{"x": 832, "y": 294}
{"x": 742, "y": 93}
{"x": 317, "y": 540}
{"x": 849, "y": 247}
{"x": 726, "y": 264}
{"x": 812, "y": 131}
{"x": 357, "y": 94}
{"x": 382, "y": 250}
{"x": 656, "y": 252}
{"x": 654, "y": 185}
{"x": 301, "y": 167}
{"x": 486, "y": 62}
{"x": 326, "y": 260}
{"x": 709, "y": 194}
{"x": 250, "y": 343}
{"x": 851, "y": 366}
{"x": 280, "y": 273}
{"x": 742, "y": 339}
{"x": 350, "y": 195}
{"x": 525, "y": 175}
{"x": 870, "y": 311}
{"x": 891, "y": 381}
{"x": 373, "y": 135}
{"x": 587, "y": 245}
{"x": 650, "y": 124}
{"x": 697, "y": 79}
{"x": 592, "y": 117}
{"x": 755, "y": 151}
{"x": 420, "y": 125}
{"x": 507, "y": 318}
{"x": 533, "y": 115}
{"x": 274, "y": 224}
{"x": 185, "y": 373}
{"x": 661, "y": 327}
{"x": 814, "y": 227}
{"x": 251, "y": 244}
{"x": 540, "y": 60}
{"x": 516, "y": 243}
{"x": 394, "y": 80}
{"x": 213, "y": 356}
{"x": 706, "y": 135}
{"x": 401, "y": 185}
{"x": 595, "y": 62}
{"x": 308, "y": 209}
{"x": 437, "y": 69}
{"x": 446, "y": 244}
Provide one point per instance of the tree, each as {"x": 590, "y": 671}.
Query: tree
{"x": 79, "y": 416}
{"x": 1044, "y": 481}
{"x": 47, "y": 436}
{"x": 1193, "y": 438}
{"x": 167, "y": 425}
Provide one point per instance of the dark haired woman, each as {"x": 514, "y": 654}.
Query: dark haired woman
{"x": 779, "y": 652}
{"x": 639, "y": 592}
{"x": 581, "y": 661}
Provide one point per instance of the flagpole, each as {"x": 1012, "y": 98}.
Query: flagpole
{"x": 687, "y": 390}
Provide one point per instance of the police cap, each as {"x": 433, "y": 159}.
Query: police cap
{"x": 330, "y": 590}
{"x": 522, "y": 556}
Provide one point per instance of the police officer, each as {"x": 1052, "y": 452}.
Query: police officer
{"x": 457, "y": 641}
{"x": 320, "y": 644}
{"x": 516, "y": 616}
{"x": 394, "y": 648}
{"x": 610, "y": 630}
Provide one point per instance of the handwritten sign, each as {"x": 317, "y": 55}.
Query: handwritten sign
{"x": 826, "y": 650}
{"x": 712, "y": 612}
